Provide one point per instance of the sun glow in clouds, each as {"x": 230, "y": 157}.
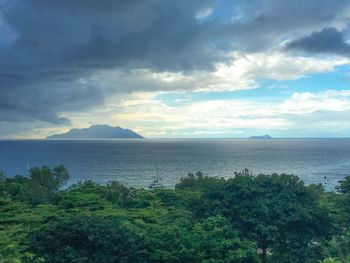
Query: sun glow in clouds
{"x": 177, "y": 69}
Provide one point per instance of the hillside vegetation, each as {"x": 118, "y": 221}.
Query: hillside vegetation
{"x": 245, "y": 219}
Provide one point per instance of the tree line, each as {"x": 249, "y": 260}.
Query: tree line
{"x": 245, "y": 219}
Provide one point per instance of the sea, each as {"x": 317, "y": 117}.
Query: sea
{"x": 136, "y": 162}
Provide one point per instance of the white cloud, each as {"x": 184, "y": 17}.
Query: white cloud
{"x": 204, "y": 13}
{"x": 133, "y": 104}
{"x": 300, "y": 111}
{"x": 242, "y": 72}
{"x": 307, "y": 102}
{"x": 276, "y": 66}
{"x": 327, "y": 111}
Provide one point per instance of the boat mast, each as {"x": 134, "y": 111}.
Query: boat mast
{"x": 157, "y": 172}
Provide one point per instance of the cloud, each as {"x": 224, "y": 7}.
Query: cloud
{"x": 303, "y": 112}
{"x": 308, "y": 102}
{"x": 48, "y": 47}
{"x": 264, "y": 25}
{"x": 60, "y": 58}
{"x": 241, "y": 72}
{"x": 329, "y": 41}
{"x": 205, "y": 13}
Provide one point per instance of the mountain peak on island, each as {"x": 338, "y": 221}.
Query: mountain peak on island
{"x": 261, "y": 137}
{"x": 98, "y": 131}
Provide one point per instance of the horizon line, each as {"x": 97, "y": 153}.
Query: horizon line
{"x": 168, "y": 138}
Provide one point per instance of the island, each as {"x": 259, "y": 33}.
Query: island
{"x": 97, "y": 132}
{"x": 262, "y": 137}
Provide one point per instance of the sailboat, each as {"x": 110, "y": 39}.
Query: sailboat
{"x": 158, "y": 182}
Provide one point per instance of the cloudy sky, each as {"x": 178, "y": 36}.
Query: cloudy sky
{"x": 199, "y": 68}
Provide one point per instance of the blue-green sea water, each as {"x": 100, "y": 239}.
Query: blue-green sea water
{"x": 133, "y": 162}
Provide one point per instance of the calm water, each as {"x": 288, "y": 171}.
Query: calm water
{"x": 132, "y": 162}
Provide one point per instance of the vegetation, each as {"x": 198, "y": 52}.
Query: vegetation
{"x": 263, "y": 218}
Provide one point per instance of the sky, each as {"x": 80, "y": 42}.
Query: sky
{"x": 175, "y": 69}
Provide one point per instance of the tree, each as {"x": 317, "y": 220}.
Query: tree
{"x": 216, "y": 241}
{"x": 87, "y": 239}
{"x": 60, "y": 175}
{"x": 339, "y": 205}
{"x": 276, "y": 211}
{"x": 44, "y": 183}
{"x": 16, "y": 187}
{"x": 209, "y": 220}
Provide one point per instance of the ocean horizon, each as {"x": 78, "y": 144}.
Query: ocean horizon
{"x": 133, "y": 162}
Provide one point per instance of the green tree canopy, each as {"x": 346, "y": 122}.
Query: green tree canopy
{"x": 44, "y": 183}
{"x": 88, "y": 239}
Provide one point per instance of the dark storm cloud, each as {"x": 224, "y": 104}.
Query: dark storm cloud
{"x": 94, "y": 34}
{"x": 264, "y": 24}
{"x": 329, "y": 40}
{"x": 50, "y": 50}
{"x": 51, "y": 45}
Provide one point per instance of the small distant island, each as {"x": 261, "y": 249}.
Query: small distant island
{"x": 97, "y": 132}
{"x": 262, "y": 137}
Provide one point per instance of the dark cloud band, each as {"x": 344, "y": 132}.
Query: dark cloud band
{"x": 50, "y": 50}
{"x": 329, "y": 40}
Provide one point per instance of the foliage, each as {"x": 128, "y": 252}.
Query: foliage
{"x": 264, "y": 218}
{"x": 87, "y": 239}
{"x": 344, "y": 185}
{"x": 330, "y": 260}
{"x": 43, "y": 183}
{"x": 219, "y": 242}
